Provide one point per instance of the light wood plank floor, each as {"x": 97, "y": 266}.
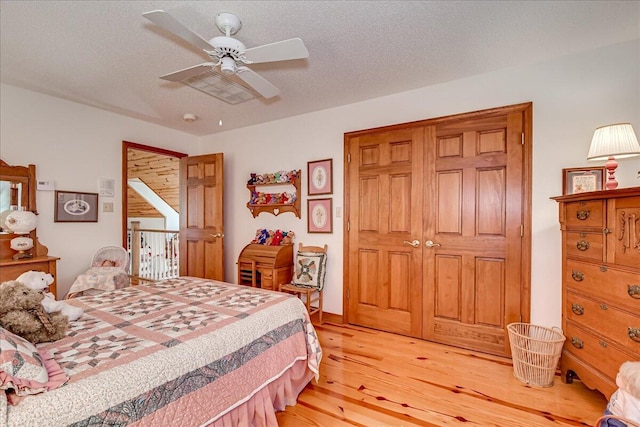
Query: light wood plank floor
{"x": 371, "y": 378}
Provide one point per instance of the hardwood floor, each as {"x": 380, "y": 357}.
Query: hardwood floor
{"x": 372, "y": 378}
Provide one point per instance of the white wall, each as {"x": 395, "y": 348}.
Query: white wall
{"x": 74, "y": 145}
{"x": 571, "y": 97}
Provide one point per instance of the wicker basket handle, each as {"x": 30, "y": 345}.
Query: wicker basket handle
{"x": 629, "y": 423}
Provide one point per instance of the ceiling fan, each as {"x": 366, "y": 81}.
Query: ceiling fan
{"x": 228, "y": 53}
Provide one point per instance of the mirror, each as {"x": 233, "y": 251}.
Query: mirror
{"x": 17, "y": 188}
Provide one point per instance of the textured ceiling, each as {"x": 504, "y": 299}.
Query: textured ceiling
{"x": 105, "y": 54}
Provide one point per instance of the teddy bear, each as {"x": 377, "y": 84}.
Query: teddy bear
{"x": 277, "y": 238}
{"x": 40, "y": 281}
{"x": 287, "y": 238}
{"x": 22, "y": 313}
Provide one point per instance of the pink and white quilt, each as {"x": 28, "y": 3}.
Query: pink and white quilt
{"x": 183, "y": 352}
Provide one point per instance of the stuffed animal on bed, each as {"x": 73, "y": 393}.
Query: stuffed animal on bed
{"x": 22, "y": 313}
{"x": 40, "y": 281}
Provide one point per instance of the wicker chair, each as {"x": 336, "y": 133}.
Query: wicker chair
{"x": 109, "y": 270}
{"x": 308, "y": 277}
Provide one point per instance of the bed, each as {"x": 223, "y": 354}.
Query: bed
{"x": 181, "y": 352}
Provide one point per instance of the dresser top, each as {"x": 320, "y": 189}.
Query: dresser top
{"x": 602, "y": 194}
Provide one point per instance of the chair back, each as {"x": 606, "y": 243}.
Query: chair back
{"x": 111, "y": 256}
{"x": 310, "y": 267}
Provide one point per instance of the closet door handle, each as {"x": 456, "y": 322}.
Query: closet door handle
{"x": 430, "y": 244}
{"x": 414, "y": 243}
{"x": 217, "y": 235}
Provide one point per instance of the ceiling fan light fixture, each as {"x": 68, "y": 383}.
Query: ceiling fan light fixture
{"x": 214, "y": 83}
{"x": 228, "y": 66}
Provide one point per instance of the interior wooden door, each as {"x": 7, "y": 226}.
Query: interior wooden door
{"x": 385, "y": 266}
{"x": 474, "y": 221}
{"x": 458, "y": 187}
{"x": 201, "y": 216}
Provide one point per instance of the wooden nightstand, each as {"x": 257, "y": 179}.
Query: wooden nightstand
{"x": 11, "y": 269}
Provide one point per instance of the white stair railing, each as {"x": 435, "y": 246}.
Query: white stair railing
{"x": 155, "y": 256}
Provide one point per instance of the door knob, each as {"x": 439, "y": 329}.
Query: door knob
{"x": 217, "y": 235}
{"x": 430, "y": 244}
{"x": 414, "y": 243}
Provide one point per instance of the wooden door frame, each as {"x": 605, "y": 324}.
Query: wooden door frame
{"x": 527, "y": 111}
{"x": 126, "y": 145}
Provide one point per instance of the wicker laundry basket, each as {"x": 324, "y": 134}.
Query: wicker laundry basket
{"x": 535, "y": 351}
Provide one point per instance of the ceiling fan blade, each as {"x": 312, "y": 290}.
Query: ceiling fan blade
{"x": 278, "y": 51}
{"x": 181, "y": 75}
{"x": 257, "y": 82}
{"x": 170, "y": 24}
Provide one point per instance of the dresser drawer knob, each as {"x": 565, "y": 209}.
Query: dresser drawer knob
{"x": 582, "y": 245}
{"x": 607, "y": 231}
{"x": 634, "y": 334}
{"x": 578, "y": 276}
{"x": 577, "y": 342}
{"x": 634, "y": 291}
{"x": 604, "y": 307}
{"x": 603, "y": 268}
{"x": 583, "y": 214}
{"x": 603, "y": 344}
{"x": 577, "y": 309}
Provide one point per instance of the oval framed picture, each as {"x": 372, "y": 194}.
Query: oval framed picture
{"x": 319, "y": 216}
{"x": 73, "y": 206}
{"x": 320, "y": 177}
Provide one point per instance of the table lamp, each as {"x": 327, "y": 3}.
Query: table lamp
{"x": 611, "y": 142}
{"x": 21, "y": 223}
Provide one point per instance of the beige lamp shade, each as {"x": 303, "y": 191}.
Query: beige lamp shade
{"x": 617, "y": 141}
{"x": 613, "y": 142}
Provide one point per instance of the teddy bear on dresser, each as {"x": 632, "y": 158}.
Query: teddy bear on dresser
{"x": 22, "y": 313}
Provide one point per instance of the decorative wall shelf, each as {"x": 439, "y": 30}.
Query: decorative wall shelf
{"x": 263, "y": 201}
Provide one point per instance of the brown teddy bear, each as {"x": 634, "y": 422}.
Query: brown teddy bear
{"x": 22, "y": 313}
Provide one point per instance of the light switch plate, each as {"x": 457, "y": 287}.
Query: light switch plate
{"x": 107, "y": 207}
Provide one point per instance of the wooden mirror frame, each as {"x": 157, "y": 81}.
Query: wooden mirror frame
{"x": 26, "y": 175}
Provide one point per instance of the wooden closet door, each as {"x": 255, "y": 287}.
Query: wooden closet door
{"x": 473, "y": 216}
{"x": 458, "y": 186}
{"x": 385, "y": 271}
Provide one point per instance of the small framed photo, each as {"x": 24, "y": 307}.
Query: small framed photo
{"x": 319, "y": 216}
{"x": 320, "y": 177}
{"x": 72, "y": 206}
{"x": 581, "y": 180}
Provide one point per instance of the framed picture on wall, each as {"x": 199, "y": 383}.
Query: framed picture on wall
{"x": 320, "y": 177}
{"x": 319, "y": 218}
{"x": 72, "y": 206}
{"x": 581, "y": 180}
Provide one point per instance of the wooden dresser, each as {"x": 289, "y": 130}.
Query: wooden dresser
{"x": 600, "y": 285}
{"x": 265, "y": 266}
{"x": 11, "y": 269}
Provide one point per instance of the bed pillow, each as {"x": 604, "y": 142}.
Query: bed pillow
{"x": 24, "y": 368}
{"x": 310, "y": 269}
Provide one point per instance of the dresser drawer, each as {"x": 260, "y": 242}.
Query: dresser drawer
{"x": 585, "y": 245}
{"x": 597, "y": 352}
{"x": 605, "y": 320}
{"x": 621, "y": 288}
{"x": 585, "y": 214}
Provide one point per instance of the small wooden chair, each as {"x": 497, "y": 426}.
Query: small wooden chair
{"x": 309, "y": 272}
